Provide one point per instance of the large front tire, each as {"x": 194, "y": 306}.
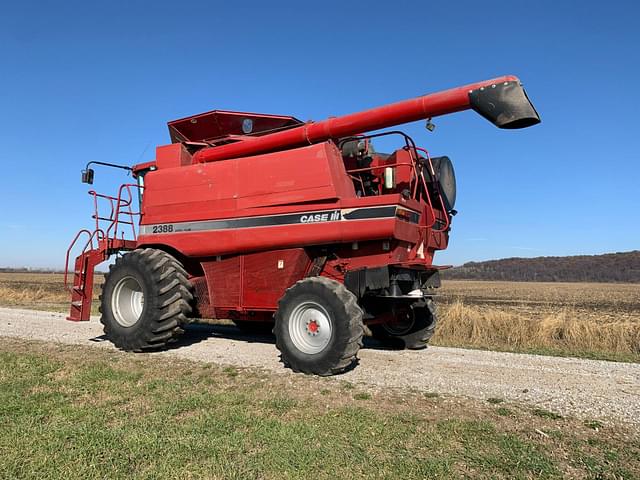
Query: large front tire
{"x": 146, "y": 299}
{"x": 318, "y": 327}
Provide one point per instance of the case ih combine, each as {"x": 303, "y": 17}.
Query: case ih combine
{"x": 276, "y": 223}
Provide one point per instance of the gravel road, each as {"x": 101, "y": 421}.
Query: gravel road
{"x": 587, "y": 389}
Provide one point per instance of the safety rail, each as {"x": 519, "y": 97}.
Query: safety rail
{"x": 417, "y": 175}
{"x": 98, "y": 234}
{"x": 104, "y": 238}
{"x": 432, "y": 172}
{"x": 409, "y": 144}
{"x": 119, "y": 206}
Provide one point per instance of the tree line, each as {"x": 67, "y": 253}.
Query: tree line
{"x": 623, "y": 267}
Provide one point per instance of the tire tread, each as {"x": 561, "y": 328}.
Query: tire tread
{"x": 174, "y": 301}
{"x": 355, "y": 328}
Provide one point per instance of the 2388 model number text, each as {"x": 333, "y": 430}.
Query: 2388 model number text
{"x": 162, "y": 228}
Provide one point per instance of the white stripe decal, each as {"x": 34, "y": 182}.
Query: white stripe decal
{"x": 321, "y": 216}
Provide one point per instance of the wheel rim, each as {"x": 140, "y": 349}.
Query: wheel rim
{"x": 127, "y": 301}
{"x": 402, "y": 326}
{"x": 310, "y": 327}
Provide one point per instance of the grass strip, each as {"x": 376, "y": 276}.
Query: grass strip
{"x": 70, "y": 412}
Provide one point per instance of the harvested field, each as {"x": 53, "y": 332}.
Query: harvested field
{"x": 594, "y": 320}
{"x": 605, "y": 302}
{"x": 39, "y": 291}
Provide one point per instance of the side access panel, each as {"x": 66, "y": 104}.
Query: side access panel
{"x": 255, "y": 281}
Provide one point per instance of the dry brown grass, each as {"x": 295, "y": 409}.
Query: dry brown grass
{"x": 39, "y": 291}
{"x": 22, "y": 296}
{"x": 563, "y": 331}
{"x": 604, "y": 302}
{"x": 600, "y": 320}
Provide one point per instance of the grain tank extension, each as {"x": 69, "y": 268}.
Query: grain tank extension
{"x": 300, "y": 228}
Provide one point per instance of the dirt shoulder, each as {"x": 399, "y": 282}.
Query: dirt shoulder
{"x": 586, "y": 389}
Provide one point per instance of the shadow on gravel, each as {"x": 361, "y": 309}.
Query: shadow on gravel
{"x": 196, "y": 333}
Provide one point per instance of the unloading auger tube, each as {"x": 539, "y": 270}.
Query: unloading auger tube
{"x": 501, "y": 100}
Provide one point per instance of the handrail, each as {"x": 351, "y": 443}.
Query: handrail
{"x": 409, "y": 146}
{"x": 417, "y": 178}
{"x": 97, "y": 195}
{"x": 426, "y": 189}
{"x": 365, "y": 169}
{"x": 99, "y": 245}
{"x": 120, "y": 205}
{"x": 444, "y": 208}
{"x": 96, "y": 233}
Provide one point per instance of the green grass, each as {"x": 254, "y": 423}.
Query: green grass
{"x": 504, "y": 411}
{"x": 541, "y": 412}
{"x": 593, "y": 424}
{"x": 80, "y": 413}
{"x": 230, "y": 371}
{"x": 362, "y": 396}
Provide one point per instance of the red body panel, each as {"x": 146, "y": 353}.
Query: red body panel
{"x": 174, "y": 155}
{"x": 246, "y": 187}
{"x": 233, "y": 189}
{"x": 254, "y": 281}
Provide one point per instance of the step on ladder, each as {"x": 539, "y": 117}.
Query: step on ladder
{"x": 82, "y": 288}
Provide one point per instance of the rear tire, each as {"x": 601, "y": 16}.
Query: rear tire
{"x": 145, "y": 300}
{"x": 414, "y": 334}
{"x": 318, "y": 327}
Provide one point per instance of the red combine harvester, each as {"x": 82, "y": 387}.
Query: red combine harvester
{"x": 302, "y": 228}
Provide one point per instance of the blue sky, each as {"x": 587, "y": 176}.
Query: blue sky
{"x": 86, "y": 81}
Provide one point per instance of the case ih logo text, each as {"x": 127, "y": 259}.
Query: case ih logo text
{"x": 321, "y": 217}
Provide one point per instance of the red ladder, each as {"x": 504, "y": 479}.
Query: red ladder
{"x": 82, "y": 289}
{"x": 98, "y": 248}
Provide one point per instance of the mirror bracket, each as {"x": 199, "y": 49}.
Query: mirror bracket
{"x": 87, "y": 173}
